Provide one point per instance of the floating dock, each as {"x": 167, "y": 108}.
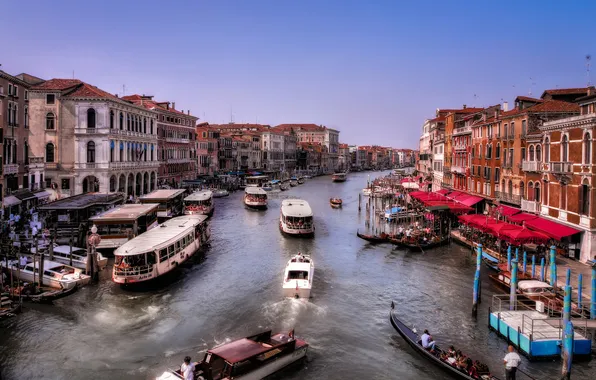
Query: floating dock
{"x": 535, "y": 334}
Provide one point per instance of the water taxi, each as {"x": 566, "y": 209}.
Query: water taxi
{"x": 284, "y": 185}
{"x": 62, "y": 255}
{"x": 200, "y": 203}
{"x": 339, "y": 177}
{"x": 160, "y": 250}
{"x": 296, "y": 218}
{"x": 294, "y": 181}
{"x": 252, "y": 358}
{"x": 120, "y": 224}
{"x": 220, "y": 193}
{"x": 170, "y": 202}
{"x": 301, "y": 180}
{"x": 256, "y": 181}
{"x": 55, "y": 275}
{"x": 298, "y": 277}
{"x": 255, "y": 197}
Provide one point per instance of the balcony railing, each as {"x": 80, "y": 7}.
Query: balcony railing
{"x": 177, "y": 140}
{"x": 91, "y": 165}
{"x": 51, "y": 166}
{"x": 133, "y": 164}
{"x": 458, "y": 169}
{"x": 561, "y": 167}
{"x": 509, "y": 198}
{"x": 10, "y": 169}
{"x": 178, "y": 160}
{"x": 530, "y": 206}
{"x": 531, "y": 166}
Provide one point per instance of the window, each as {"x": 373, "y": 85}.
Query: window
{"x": 90, "y": 152}
{"x": 91, "y": 118}
{"x": 538, "y": 153}
{"x": 65, "y": 184}
{"x": 111, "y": 151}
{"x": 26, "y": 95}
{"x": 144, "y": 125}
{"x": 512, "y": 130}
{"x": 511, "y": 157}
{"x": 523, "y": 153}
{"x": 26, "y": 121}
{"x": 563, "y": 197}
{"x": 587, "y": 149}
{"x": 489, "y": 150}
{"x": 497, "y": 175}
{"x": 50, "y": 121}
{"x": 50, "y": 99}
{"x": 25, "y": 181}
{"x": 524, "y": 127}
{"x": 505, "y": 131}
{"x": 584, "y": 198}
{"x": 10, "y": 89}
{"x": 16, "y": 91}
{"x": 498, "y": 151}
{"x": 121, "y": 121}
{"x": 564, "y": 148}
{"x": 531, "y": 156}
{"x": 128, "y": 122}
{"x": 151, "y": 123}
{"x": 546, "y": 150}
{"x": 111, "y": 119}
{"x": 50, "y": 152}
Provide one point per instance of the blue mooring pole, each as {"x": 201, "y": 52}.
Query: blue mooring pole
{"x": 567, "y": 305}
{"x": 593, "y": 295}
{"x": 568, "y": 277}
{"x": 567, "y": 351}
{"x": 533, "y": 266}
{"x": 509, "y": 259}
{"x": 553, "y": 268}
{"x": 542, "y": 269}
{"x": 525, "y": 262}
{"x": 513, "y": 289}
{"x": 476, "y": 292}
{"x": 517, "y": 254}
{"x": 580, "y": 280}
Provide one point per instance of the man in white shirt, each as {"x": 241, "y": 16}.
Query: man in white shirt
{"x": 187, "y": 369}
{"x": 427, "y": 341}
{"x": 511, "y": 362}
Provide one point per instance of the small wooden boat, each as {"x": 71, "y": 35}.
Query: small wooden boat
{"x": 373, "y": 238}
{"x": 416, "y": 246}
{"x": 7, "y": 307}
{"x": 301, "y": 180}
{"x": 335, "y": 202}
{"x": 413, "y": 340}
{"x": 45, "y": 295}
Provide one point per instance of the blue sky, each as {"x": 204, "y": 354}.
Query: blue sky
{"x": 375, "y": 70}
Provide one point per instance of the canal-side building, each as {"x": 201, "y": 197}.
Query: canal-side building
{"x": 453, "y": 117}
{"x": 91, "y": 140}
{"x": 176, "y": 149}
{"x": 424, "y": 164}
{"x": 247, "y": 150}
{"x": 272, "y": 148}
{"x": 207, "y": 149}
{"x": 313, "y": 133}
{"x": 344, "y": 162}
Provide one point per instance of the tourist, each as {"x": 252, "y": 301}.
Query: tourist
{"x": 427, "y": 341}
{"x": 511, "y": 361}
{"x": 451, "y": 358}
{"x": 187, "y": 369}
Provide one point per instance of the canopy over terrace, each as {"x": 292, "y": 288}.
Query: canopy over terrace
{"x": 436, "y": 201}
{"x": 555, "y": 230}
{"x": 506, "y": 231}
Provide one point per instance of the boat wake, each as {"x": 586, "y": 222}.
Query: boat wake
{"x": 122, "y": 318}
{"x": 290, "y": 310}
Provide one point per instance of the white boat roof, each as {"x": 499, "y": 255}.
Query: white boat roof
{"x": 295, "y": 207}
{"x": 255, "y": 190}
{"x": 48, "y": 265}
{"x": 161, "y": 236}
{"x": 163, "y": 194}
{"x": 528, "y": 284}
{"x": 298, "y": 266}
{"x": 128, "y": 211}
{"x": 200, "y": 196}
{"x": 66, "y": 249}
{"x": 258, "y": 177}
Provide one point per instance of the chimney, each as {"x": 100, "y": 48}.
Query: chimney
{"x": 465, "y": 106}
{"x": 116, "y": 95}
{"x": 174, "y": 105}
{"x": 497, "y": 113}
{"x": 505, "y": 106}
{"x": 188, "y": 112}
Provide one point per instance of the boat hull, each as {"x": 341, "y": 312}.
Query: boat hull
{"x": 371, "y": 239}
{"x": 296, "y": 232}
{"x": 256, "y": 205}
{"x": 51, "y": 282}
{"x": 208, "y": 212}
{"x": 292, "y": 292}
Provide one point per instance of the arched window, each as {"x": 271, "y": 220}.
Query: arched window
{"x": 510, "y": 188}
{"x": 564, "y": 148}
{"x": 489, "y": 150}
{"x": 584, "y": 200}
{"x": 538, "y": 153}
{"x": 50, "y": 120}
{"x": 111, "y": 119}
{"x": 90, "y": 151}
{"x": 537, "y": 192}
{"x": 522, "y": 190}
{"x": 91, "y": 118}
{"x": 121, "y": 121}
{"x": 112, "y": 183}
{"x": 498, "y": 151}
{"x": 546, "y": 150}
{"x": 531, "y": 191}
{"x": 545, "y": 192}
{"x": 587, "y": 149}
{"x": 531, "y": 153}
{"x": 50, "y": 152}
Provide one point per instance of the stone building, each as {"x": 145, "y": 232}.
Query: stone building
{"x": 91, "y": 140}
{"x": 312, "y": 133}
{"x": 207, "y": 149}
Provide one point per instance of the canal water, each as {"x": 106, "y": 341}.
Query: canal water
{"x": 104, "y": 331}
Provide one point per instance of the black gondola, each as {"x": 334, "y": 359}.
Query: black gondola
{"x": 417, "y": 247}
{"x": 372, "y": 238}
{"x": 412, "y": 338}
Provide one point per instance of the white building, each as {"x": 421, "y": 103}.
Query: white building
{"x": 272, "y": 151}
{"x": 424, "y": 165}
{"x": 92, "y": 141}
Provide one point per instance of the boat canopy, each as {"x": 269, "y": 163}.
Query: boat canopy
{"x": 296, "y": 207}
{"x": 240, "y": 350}
{"x": 533, "y": 284}
{"x": 126, "y": 212}
{"x": 162, "y": 236}
{"x": 199, "y": 196}
{"x": 255, "y": 191}
{"x": 162, "y": 194}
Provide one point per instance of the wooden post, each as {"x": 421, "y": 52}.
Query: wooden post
{"x": 41, "y": 261}
{"x": 567, "y": 350}
{"x": 70, "y": 249}
{"x": 513, "y": 288}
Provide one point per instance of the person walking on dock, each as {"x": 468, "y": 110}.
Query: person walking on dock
{"x": 511, "y": 362}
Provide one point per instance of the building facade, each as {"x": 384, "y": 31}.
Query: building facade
{"x": 312, "y": 133}
{"x": 207, "y": 150}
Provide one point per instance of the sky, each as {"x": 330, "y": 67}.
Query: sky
{"x": 373, "y": 69}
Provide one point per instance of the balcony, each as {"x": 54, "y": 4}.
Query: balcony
{"x": 531, "y": 166}
{"x": 509, "y": 198}
{"x": 561, "y": 167}
{"x": 51, "y": 166}
{"x": 462, "y": 131}
{"x": 178, "y": 160}
{"x": 10, "y": 169}
{"x": 133, "y": 164}
{"x": 177, "y": 140}
{"x": 530, "y": 206}
{"x": 91, "y": 165}
{"x": 458, "y": 169}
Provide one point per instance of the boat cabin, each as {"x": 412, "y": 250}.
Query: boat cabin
{"x": 200, "y": 202}
{"x": 296, "y": 214}
{"x": 170, "y": 202}
{"x": 535, "y": 288}
{"x": 257, "y": 180}
{"x": 120, "y": 224}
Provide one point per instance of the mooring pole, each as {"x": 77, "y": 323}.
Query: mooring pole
{"x": 580, "y": 280}
{"x": 593, "y": 295}
{"x": 513, "y": 289}
{"x": 525, "y": 258}
{"x": 567, "y": 351}
{"x": 509, "y": 259}
{"x": 553, "y": 268}
{"x": 517, "y": 254}
{"x": 567, "y": 305}
{"x": 476, "y": 292}
{"x": 542, "y": 269}
{"x": 533, "y": 266}
{"x": 568, "y": 277}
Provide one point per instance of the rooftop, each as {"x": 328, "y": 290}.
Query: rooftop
{"x": 254, "y": 190}
{"x": 162, "y": 194}
{"x": 199, "y": 195}
{"x": 128, "y": 211}
{"x": 82, "y": 201}
{"x": 148, "y": 102}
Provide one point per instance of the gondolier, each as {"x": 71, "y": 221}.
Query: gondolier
{"x": 511, "y": 361}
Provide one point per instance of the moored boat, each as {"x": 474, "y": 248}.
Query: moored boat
{"x": 301, "y": 180}
{"x": 284, "y": 185}
{"x": 373, "y": 238}
{"x": 255, "y": 197}
{"x": 417, "y": 245}
{"x": 275, "y": 184}
{"x": 412, "y": 338}
{"x": 8, "y": 308}
{"x": 366, "y": 192}
{"x": 62, "y": 254}
{"x": 251, "y": 358}
{"x": 335, "y": 202}
{"x": 200, "y": 203}
{"x": 339, "y": 177}
{"x": 160, "y": 250}
{"x": 294, "y": 181}
{"x": 392, "y": 213}
{"x": 298, "y": 277}
{"x": 56, "y": 275}
{"x": 220, "y": 193}
{"x": 296, "y": 218}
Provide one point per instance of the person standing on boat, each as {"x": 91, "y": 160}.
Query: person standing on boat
{"x": 187, "y": 369}
{"x": 427, "y": 341}
{"x": 511, "y": 362}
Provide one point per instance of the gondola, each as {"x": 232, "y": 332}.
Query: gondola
{"x": 46, "y": 296}
{"x": 412, "y": 338}
{"x": 372, "y": 238}
{"x": 335, "y": 202}
{"x": 417, "y": 247}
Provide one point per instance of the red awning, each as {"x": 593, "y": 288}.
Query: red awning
{"x": 521, "y": 217}
{"x": 442, "y": 191}
{"x": 454, "y": 194}
{"x": 524, "y": 235}
{"x": 508, "y": 211}
{"x": 461, "y": 196}
{"x": 470, "y": 200}
{"x": 555, "y": 230}
{"x": 498, "y": 227}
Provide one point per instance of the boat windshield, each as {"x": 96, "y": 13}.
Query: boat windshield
{"x": 134, "y": 264}
{"x": 256, "y": 197}
{"x": 297, "y": 275}
{"x": 205, "y": 202}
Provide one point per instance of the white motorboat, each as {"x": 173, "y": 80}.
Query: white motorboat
{"x": 255, "y": 197}
{"x": 199, "y": 202}
{"x": 79, "y": 257}
{"x": 284, "y": 185}
{"x": 55, "y": 275}
{"x": 298, "y": 277}
{"x": 296, "y": 218}
{"x": 220, "y": 193}
{"x": 366, "y": 191}
{"x": 294, "y": 181}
